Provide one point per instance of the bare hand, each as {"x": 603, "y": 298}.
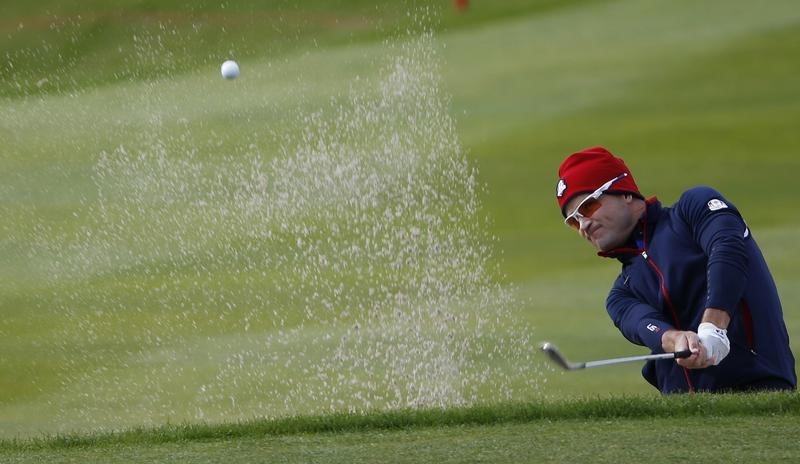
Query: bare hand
{"x": 678, "y": 340}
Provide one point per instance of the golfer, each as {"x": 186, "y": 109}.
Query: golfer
{"x": 692, "y": 278}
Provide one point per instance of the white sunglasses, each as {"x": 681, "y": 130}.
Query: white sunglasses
{"x": 590, "y": 204}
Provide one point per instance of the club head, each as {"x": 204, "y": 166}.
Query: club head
{"x": 558, "y": 358}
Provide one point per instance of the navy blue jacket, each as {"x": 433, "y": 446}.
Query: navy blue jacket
{"x": 694, "y": 255}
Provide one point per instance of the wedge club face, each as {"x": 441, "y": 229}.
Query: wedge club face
{"x": 559, "y": 358}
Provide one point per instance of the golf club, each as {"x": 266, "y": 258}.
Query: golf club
{"x": 559, "y": 358}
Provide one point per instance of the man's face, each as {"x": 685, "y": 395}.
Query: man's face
{"x": 610, "y": 225}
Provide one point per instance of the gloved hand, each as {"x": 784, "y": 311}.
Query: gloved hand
{"x": 715, "y": 341}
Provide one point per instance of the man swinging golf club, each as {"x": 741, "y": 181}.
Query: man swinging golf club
{"x": 692, "y": 279}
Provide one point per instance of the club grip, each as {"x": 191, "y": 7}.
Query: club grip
{"x": 682, "y": 354}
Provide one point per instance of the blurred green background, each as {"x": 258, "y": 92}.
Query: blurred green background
{"x": 688, "y": 93}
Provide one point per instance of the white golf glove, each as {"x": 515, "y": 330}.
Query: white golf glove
{"x": 715, "y": 341}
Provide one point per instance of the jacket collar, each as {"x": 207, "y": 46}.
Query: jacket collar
{"x": 639, "y": 239}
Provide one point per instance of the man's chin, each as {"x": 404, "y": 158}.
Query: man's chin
{"x": 603, "y": 246}
{"x": 598, "y": 246}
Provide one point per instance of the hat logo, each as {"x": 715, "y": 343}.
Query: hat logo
{"x": 716, "y": 204}
{"x": 560, "y": 188}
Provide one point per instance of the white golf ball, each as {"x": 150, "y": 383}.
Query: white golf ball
{"x": 230, "y": 69}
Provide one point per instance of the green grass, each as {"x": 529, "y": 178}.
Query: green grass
{"x": 548, "y": 442}
{"x": 94, "y": 43}
{"x": 686, "y": 94}
{"x": 603, "y": 430}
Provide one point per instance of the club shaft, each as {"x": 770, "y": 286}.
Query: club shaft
{"x": 558, "y": 358}
{"x": 647, "y": 357}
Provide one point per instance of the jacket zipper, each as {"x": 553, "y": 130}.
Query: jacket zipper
{"x": 668, "y": 300}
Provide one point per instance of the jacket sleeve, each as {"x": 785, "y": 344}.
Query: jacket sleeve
{"x": 639, "y": 322}
{"x": 718, "y": 228}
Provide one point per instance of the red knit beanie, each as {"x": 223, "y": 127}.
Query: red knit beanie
{"x": 586, "y": 170}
